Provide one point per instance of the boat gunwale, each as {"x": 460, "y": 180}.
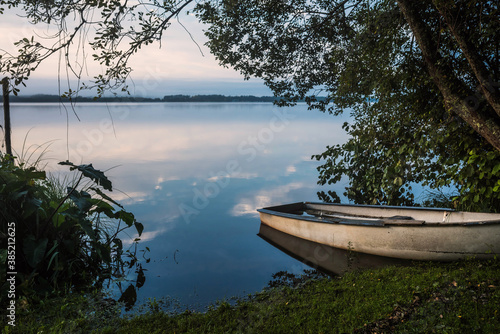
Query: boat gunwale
{"x": 382, "y": 222}
{"x": 378, "y": 206}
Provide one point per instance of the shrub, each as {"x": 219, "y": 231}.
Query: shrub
{"x": 61, "y": 240}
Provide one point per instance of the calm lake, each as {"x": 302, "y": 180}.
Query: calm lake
{"x": 194, "y": 175}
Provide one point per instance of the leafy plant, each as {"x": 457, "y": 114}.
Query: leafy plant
{"x": 388, "y": 154}
{"x": 63, "y": 240}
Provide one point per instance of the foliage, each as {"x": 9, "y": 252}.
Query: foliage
{"x": 460, "y": 297}
{"x": 120, "y": 30}
{"x": 407, "y": 123}
{"x": 64, "y": 241}
{"x": 386, "y": 158}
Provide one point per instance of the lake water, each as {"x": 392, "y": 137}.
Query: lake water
{"x": 194, "y": 175}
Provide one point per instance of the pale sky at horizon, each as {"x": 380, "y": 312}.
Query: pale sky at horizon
{"x": 178, "y": 67}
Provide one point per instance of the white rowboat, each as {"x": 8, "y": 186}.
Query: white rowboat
{"x": 400, "y": 232}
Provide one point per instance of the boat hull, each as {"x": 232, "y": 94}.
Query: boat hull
{"x": 330, "y": 260}
{"x": 413, "y": 240}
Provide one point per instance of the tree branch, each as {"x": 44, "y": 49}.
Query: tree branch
{"x": 486, "y": 81}
{"x": 483, "y": 123}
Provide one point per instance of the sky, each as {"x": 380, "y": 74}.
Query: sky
{"x": 177, "y": 67}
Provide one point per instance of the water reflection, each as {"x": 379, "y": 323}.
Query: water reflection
{"x": 194, "y": 175}
{"x": 330, "y": 260}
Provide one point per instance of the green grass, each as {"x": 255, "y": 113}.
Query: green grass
{"x": 426, "y": 297}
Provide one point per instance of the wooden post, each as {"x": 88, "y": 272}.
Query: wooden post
{"x": 6, "y": 113}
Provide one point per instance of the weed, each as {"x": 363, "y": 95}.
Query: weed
{"x": 65, "y": 239}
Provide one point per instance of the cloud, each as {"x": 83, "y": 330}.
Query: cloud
{"x": 264, "y": 198}
{"x": 146, "y": 236}
{"x": 180, "y": 64}
{"x": 290, "y": 170}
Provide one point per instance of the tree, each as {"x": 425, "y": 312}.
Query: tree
{"x": 463, "y": 20}
{"x": 114, "y": 30}
{"x": 407, "y": 70}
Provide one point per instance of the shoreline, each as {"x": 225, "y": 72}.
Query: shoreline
{"x": 459, "y": 296}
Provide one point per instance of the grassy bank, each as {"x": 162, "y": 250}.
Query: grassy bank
{"x": 454, "y": 298}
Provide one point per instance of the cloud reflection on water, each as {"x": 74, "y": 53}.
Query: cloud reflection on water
{"x": 221, "y": 161}
{"x": 266, "y": 197}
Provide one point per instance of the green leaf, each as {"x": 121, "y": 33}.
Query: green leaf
{"x": 34, "y": 250}
{"x": 58, "y": 218}
{"x": 89, "y": 171}
{"x": 31, "y": 205}
{"x": 52, "y": 258}
{"x": 495, "y": 169}
{"x": 141, "y": 278}
{"x": 118, "y": 243}
{"x": 87, "y": 228}
{"x": 129, "y": 297}
{"x": 81, "y": 199}
{"x": 398, "y": 181}
{"x": 472, "y": 158}
{"x": 103, "y": 207}
{"x": 104, "y": 252}
{"x": 127, "y": 217}
{"x": 106, "y": 197}
{"x": 139, "y": 227}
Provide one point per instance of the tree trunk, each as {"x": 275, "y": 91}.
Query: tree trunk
{"x": 452, "y": 89}
{"x": 487, "y": 84}
{"x": 6, "y": 113}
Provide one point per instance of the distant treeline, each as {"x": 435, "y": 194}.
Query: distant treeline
{"x": 168, "y": 98}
